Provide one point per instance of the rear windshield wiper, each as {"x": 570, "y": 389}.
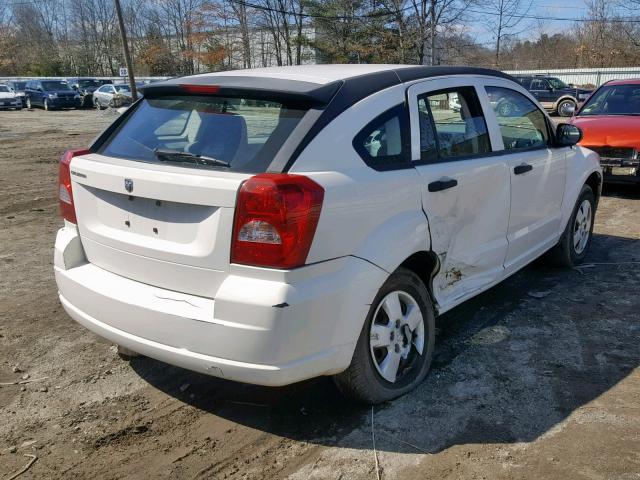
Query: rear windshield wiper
{"x": 186, "y": 157}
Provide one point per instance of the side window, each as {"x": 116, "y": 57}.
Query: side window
{"x": 522, "y": 124}
{"x": 452, "y": 124}
{"x": 384, "y": 142}
{"x": 539, "y": 84}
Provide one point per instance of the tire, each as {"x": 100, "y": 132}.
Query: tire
{"x": 45, "y": 105}
{"x": 29, "y": 104}
{"x": 564, "y": 106}
{"x": 567, "y": 253}
{"x": 96, "y": 104}
{"x": 366, "y": 380}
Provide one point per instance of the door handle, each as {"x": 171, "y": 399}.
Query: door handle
{"x": 440, "y": 185}
{"x": 524, "y": 168}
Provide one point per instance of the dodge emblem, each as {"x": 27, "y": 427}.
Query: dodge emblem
{"x": 128, "y": 185}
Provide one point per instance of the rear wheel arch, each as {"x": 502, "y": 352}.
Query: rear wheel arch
{"x": 425, "y": 264}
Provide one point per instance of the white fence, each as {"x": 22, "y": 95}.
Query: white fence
{"x": 585, "y": 76}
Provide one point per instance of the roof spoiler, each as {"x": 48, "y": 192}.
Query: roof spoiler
{"x": 260, "y": 88}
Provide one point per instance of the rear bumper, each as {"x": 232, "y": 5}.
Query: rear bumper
{"x": 265, "y": 332}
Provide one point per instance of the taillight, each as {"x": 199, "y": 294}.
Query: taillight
{"x": 276, "y": 218}
{"x": 65, "y": 194}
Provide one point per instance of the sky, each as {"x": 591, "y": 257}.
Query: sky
{"x": 529, "y": 28}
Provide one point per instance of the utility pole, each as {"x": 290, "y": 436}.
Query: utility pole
{"x": 127, "y": 55}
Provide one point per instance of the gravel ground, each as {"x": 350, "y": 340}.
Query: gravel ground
{"x": 536, "y": 378}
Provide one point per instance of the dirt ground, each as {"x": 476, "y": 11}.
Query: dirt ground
{"x": 537, "y": 378}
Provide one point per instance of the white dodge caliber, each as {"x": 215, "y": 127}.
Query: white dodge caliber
{"x": 273, "y": 225}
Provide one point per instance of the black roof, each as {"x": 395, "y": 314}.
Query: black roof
{"x": 352, "y": 89}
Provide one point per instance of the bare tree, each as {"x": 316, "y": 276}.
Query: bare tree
{"x": 505, "y": 16}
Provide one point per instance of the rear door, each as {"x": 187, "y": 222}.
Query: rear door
{"x": 466, "y": 187}
{"x": 536, "y": 170}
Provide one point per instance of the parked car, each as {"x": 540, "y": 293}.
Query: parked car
{"x": 318, "y": 228}
{"x": 51, "y": 94}
{"x": 9, "y": 98}
{"x": 18, "y": 86}
{"x": 610, "y": 120}
{"x": 553, "y": 94}
{"x": 85, "y": 86}
{"x": 112, "y": 96}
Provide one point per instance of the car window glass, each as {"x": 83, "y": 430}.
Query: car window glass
{"x": 245, "y": 132}
{"x": 557, "y": 83}
{"x": 460, "y": 127}
{"x": 613, "y": 100}
{"x": 522, "y": 124}
{"x": 4, "y": 89}
{"x": 52, "y": 85}
{"x": 539, "y": 84}
{"x": 383, "y": 141}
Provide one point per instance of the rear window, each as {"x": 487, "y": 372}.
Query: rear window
{"x": 242, "y": 133}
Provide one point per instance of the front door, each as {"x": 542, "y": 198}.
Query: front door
{"x": 537, "y": 174}
{"x": 466, "y": 187}
{"x": 542, "y": 91}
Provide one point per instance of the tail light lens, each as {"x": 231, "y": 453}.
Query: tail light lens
{"x": 275, "y": 221}
{"x": 65, "y": 194}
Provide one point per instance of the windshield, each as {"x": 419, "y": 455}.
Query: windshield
{"x": 243, "y": 132}
{"x": 4, "y": 89}
{"x": 53, "y": 85}
{"x": 557, "y": 83}
{"x": 88, "y": 83}
{"x": 19, "y": 85}
{"x": 613, "y": 100}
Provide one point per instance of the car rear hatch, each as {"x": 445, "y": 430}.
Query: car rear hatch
{"x": 173, "y": 230}
{"x": 167, "y": 219}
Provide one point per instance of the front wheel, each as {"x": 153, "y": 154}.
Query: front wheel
{"x": 28, "y": 104}
{"x": 396, "y": 344}
{"x": 574, "y": 244}
{"x": 46, "y": 106}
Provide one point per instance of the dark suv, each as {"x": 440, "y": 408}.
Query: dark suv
{"x": 85, "y": 86}
{"x": 51, "y": 94}
{"x": 553, "y": 94}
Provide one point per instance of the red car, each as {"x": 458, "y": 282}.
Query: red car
{"x": 610, "y": 122}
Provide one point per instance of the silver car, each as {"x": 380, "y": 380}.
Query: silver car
{"x": 112, "y": 96}
{"x": 9, "y": 98}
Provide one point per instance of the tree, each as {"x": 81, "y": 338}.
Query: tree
{"x": 504, "y": 17}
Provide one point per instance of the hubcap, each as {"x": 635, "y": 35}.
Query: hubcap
{"x": 565, "y": 108}
{"x": 582, "y": 227}
{"x": 397, "y": 335}
{"x": 506, "y": 109}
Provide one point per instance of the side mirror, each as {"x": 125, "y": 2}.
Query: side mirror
{"x": 568, "y": 135}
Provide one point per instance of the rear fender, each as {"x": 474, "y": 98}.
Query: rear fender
{"x": 396, "y": 239}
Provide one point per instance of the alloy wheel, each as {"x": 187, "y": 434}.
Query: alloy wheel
{"x": 397, "y": 335}
{"x": 566, "y": 108}
{"x": 582, "y": 227}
